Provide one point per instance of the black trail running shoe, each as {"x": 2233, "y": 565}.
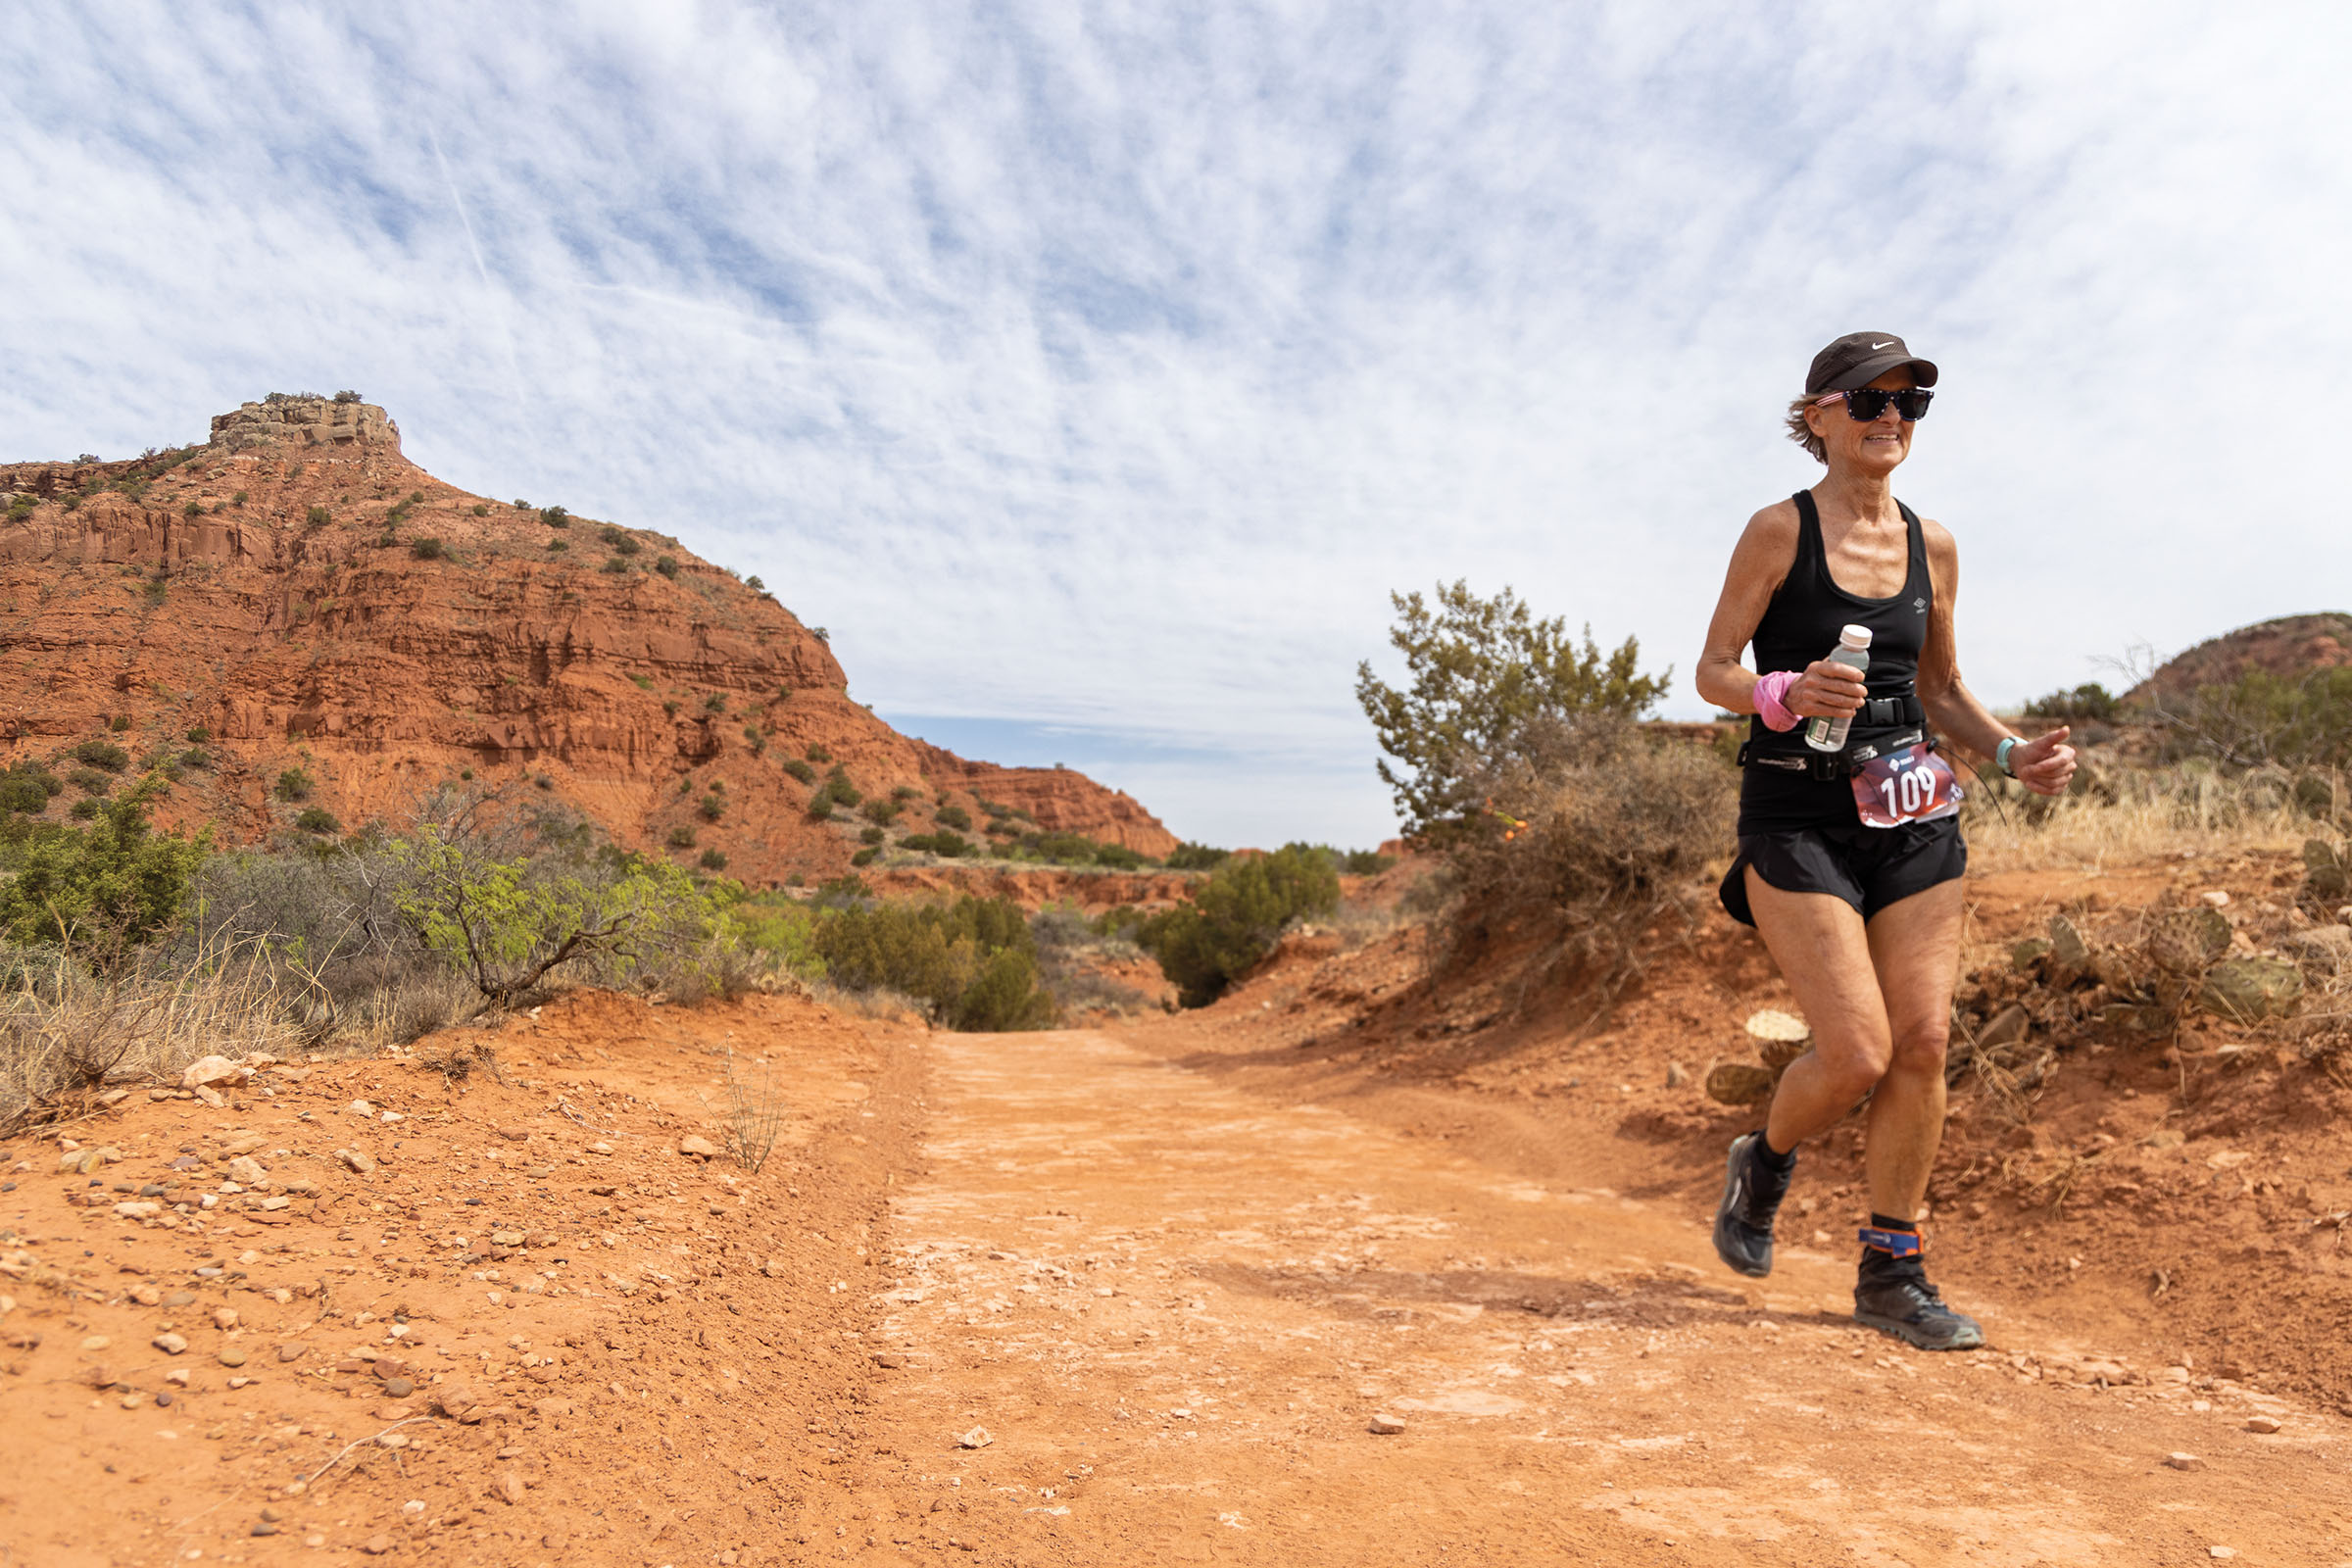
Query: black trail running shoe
{"x": 1751, "y": 1196}
{"x": 1905, "y": 1305}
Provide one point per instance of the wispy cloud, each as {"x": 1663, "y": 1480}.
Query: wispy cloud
{"x": 1094, "y": 372}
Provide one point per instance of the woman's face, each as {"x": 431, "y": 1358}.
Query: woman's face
{"x": 1870, "y": 446}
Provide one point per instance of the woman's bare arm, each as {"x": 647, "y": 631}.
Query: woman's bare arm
{"x": 1759, "y": 563}
{"x": 2043, "y": 764}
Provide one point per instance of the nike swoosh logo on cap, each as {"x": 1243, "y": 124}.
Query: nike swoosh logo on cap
{"x": 1890, "y": 343}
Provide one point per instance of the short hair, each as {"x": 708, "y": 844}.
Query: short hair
{"x": 1802, "y": 433}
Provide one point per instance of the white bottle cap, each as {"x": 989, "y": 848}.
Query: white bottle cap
{"x": 1854, "y": 636}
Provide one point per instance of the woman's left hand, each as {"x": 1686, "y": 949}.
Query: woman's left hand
{"x": 2045, "y": 763}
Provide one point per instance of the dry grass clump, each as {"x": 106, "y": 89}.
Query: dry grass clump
{"x": 2121, "y": 815}
{"x": 65, "y": 1028}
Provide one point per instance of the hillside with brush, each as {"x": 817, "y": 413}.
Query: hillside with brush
{"x": 305, "y": 632}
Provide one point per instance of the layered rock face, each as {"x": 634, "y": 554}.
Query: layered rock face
{"x": 295, "y": 598}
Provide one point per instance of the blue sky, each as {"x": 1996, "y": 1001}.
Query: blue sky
{"x": 1094, "y": 373}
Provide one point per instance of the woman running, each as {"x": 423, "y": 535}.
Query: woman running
{"x": 1851, "y": 861}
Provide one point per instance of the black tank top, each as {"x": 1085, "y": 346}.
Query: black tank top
{"x": 1800, "y": 625}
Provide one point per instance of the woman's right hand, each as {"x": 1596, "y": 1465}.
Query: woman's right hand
{"x": 1826, "y": 690}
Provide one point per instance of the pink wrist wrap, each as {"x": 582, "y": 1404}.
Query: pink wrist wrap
{"x": 1772, "y": 692}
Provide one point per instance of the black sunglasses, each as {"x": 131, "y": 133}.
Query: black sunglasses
{"x": 1867, "y": 403}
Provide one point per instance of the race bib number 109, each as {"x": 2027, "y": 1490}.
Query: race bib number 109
{"x": 1912, "y": 785}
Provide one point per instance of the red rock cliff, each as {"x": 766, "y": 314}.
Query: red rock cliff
{"x": 298, "y": 596}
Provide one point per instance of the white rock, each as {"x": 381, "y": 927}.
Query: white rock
{"x": 360, "y": 1107}
{"x": 2184, "y": 1461}
{"x": 1386, "y": 1426}
{"x": 248, "y": 1170}
{"x": 977, "y": 1437}
{"x": 1771, "y": 1023}
{"x": 208, "y": 1071}
{"x": 2214, "y": 897}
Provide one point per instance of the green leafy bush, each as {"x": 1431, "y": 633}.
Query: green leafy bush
{"x": 317, "y": 517}
{"x": 881, "y": 812}
{"x": 799, "y": 770}
{"x": 943, "y": 842}
{"x": 198, "y": 734}
{"x": 196, "y": 757}
{"x": 557, "y": 546}
{"x": 1484, "y": 673}
{"x": 554, "y": 516}
{"x": 714, "y": 860}
{"x": 667, "y": 565}
{"x": 619, "y": 540}
{"x": 716, "y": 703}
{"x": 84, "y": 810}
{"x": 681, "y": 837}
{"x": 317, "y": 819}
{"x": 427, "y": 548}
{"x": 866, "y": 856}
{"x": 294, "y": 784}
{"x": 194, "y": 509}
{"x": 955, "y": 816}
{"x": 615, "y": 566}
{"x": 1236, "y": 917}
{"x": 106, "y": 890}
{"x": 711, "y": 808}
{"x": 1195, "y": 857}
{"x": 873, "y": 835}
{"x": 481, "y": 509}
{"x": 1364, "y": 863}
{"x": 118, "y": 723}
{"x": 837, "y": 789}
{"x": 26, "y": 787}
{"x": 103, "y": 755}
{"x": 506, "y": 921}
{"x": 973, "y": 962}
{"x": 818, "y": 754}
{"x": 91, "y": 781}
{"x": 755, "y": 585}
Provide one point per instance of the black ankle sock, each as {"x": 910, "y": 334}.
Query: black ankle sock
{"x": 1882, "y": 1222}
{"x": 1765, "y": 1157}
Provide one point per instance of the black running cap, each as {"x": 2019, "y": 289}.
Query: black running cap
{"x": 1861, "y": 358}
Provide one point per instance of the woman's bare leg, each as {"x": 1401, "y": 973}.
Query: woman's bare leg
{"x": 1915, "y": 946}
{"x": 1824, "y": 953}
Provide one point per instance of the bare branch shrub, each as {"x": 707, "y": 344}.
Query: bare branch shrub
{"x": 756, "y": 1114}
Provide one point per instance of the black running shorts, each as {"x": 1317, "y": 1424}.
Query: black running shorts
{"x": 1868, "y": 867}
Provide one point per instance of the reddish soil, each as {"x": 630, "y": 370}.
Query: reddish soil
{"x": 1167, "y": 1279}
{"x": 334, "y": 648}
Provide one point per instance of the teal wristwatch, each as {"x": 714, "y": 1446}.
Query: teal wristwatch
{"x": 2000, "y": 754}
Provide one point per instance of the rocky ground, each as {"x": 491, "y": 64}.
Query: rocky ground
{"x": 1341, "y": 1269}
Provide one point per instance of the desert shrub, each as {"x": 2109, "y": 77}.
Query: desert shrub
{"x": 867, "y": 856}
{"x": 28, "y": 787}
{"x": 973, "y": 962}
{"x": 89, "y": 781}
{"x": 84, "y": 810}
{"x": 317, "y": 819}
{"x": 837, "y": 789}
{"x": 507, "y": 921}
{"x": 317, "y": 517}
{"x": 619, "y": 540}
{"x": 799, "y": 770}
{"x": 347, "y": 397}
{"x": 716, "y": 703}
{"x": 784, "y": 929}
{"x": 118, "y": 723}
{"x": 196, "y": 757}
{"x": 942, "y": 843}
{"x": 2090, "y": 701}
{"x": 714, "y": 860}
{"x": 198, "y": 734}
{"x": 759, "y": 587}
{"x": 481, "y": 509}
{"x": 818, "y": 754}
{"x": 294, "y": 784}
{"x": 871, "y": 835}
{"x": 194, "y": 509}
{"x": 667, "y": 565}
{"x": 1236, "y": 917}
{"x": 21, "y": 508}
{"x": 821, "y": 807}
{"x": 681, "y": 837}
{"x": 711, "y": 808}
{"x": 1188, "y": 857}
{"x": 955, "y": 816}
{"x": 1485, "y": 675}
{"x": 1364, "y": 863}
{"x": 615, "y": 566}
{"x": 554, "y": 516}
{"x": 103, "y": 891}
{"x": 2262, "y": 718}
{"x": 1597, "y": 833}
{"x": 427, "y": 548}
{"x": 102, "y": 754}
{"x": 557, "y": 546}
{"x": 881, "y": 812}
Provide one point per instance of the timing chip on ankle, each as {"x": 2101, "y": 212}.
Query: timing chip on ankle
{"x": 1895, "y": 1244}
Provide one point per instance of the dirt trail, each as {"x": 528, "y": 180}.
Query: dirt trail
{"x": 1176, "y": 1306}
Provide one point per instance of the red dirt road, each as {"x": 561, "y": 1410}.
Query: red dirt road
{"x": 1176, "y": 1307}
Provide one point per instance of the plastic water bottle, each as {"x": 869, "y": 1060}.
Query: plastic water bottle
{"x": 1853, "y": 650}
